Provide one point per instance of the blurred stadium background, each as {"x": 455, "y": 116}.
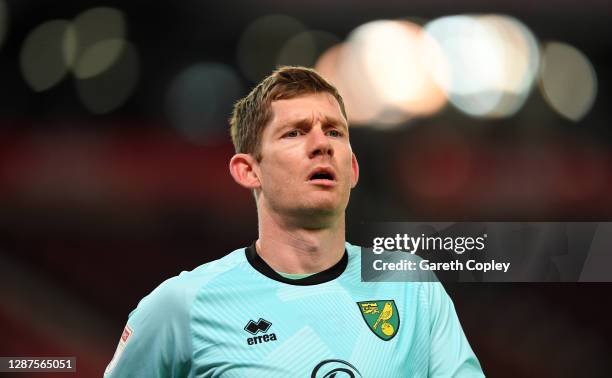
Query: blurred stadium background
{"x": 114, "y": 150}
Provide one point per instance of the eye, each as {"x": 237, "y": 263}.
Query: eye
{"x": 292, "y": 134}
{"x": 334, "y": 133}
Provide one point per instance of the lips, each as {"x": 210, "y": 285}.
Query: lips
{"x": 322, "y": 174}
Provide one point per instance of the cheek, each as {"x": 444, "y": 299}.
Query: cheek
{"x": 278, "y": 173}
{"x": 348, "y": 168}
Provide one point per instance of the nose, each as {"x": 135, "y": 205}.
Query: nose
{"x": 320, "y": 144}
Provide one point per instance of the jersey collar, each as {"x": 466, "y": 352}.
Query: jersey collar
{"x": 318, "y": 278}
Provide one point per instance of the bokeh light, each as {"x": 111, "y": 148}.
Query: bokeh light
{"x": 493, "y": 61}
{"x": 394, "y": 62}
{"x": 200, "y": 100}
{"x": 44, "y": 58}
{"x": 304, "y": 48}
{"x": 100, "y": 36}
{"x": 567, "y": 80}
{"x": 337, "y": 66}
{"x": 110, "y": 89}
{"x": 521, "y": 62}
{"x": 4, "y": 20}
{"x": 98, "y": 57}
{"x": 261, "y": 43}
{"x": 398, "y": 60}
{"x": 474, "y": 59}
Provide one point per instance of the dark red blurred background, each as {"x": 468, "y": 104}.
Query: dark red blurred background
{"x": 96, "y": 209}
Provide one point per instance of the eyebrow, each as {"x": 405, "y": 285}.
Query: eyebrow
{"x": 302, "y": 122}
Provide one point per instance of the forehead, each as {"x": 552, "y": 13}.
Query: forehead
{"x": 321, "y": 104}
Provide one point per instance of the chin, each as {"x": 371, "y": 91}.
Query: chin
{"x": 314, "y": 208}
{"x": 324, "y": 207}
{"x": 318, "y": 206}
{"x": 324, "y": 203}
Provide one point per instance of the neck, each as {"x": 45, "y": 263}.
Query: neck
{"x": 286, "y": 246}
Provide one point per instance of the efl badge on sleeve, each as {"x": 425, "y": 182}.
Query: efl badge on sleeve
{"x": 125, "y": 337}
{"x": 382, "y": 317}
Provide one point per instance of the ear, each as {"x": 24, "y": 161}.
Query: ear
{"x": 355, "y": 167}
{"x": 243, "y": 168}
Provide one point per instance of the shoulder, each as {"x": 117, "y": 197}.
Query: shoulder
{"x": 157, "y": 339}
{"x": 176, "y": 294}
{"x": 353, "y": 250}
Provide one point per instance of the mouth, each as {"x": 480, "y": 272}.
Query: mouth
{"x": 322, "y": 176}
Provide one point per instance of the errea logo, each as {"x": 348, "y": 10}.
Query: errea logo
{"x": 262, "y": 325}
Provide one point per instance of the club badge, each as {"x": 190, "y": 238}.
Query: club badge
{"x": 381, "y": 317}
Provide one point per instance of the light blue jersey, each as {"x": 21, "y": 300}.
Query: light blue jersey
{"x": 236, "y": 317}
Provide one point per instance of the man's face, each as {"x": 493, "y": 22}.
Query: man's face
{"x": 307, "y": 167}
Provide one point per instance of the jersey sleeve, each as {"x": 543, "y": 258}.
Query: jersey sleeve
{"x": 451, "y": 354}
{"x": 156, "y": 341}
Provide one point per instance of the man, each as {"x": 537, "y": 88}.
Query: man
{"x": 293, "y": 304}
